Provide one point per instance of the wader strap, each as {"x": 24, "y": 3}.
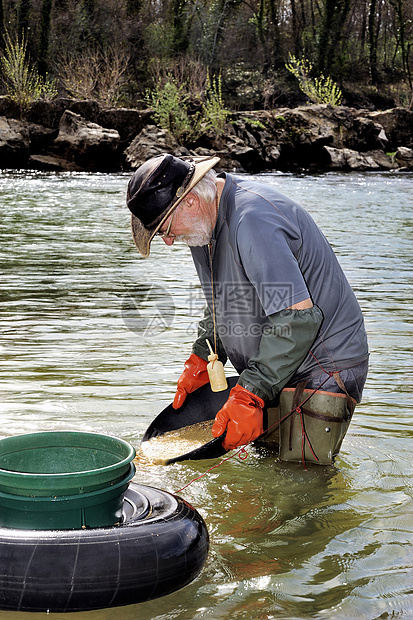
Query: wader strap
{"x": 351, "y": 403}
{"x": 320, "y": 416}
{"x": 297, "y": 398}
{"x": 298, "y": 394}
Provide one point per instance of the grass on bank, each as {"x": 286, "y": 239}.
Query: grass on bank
{"x": 24, "y": 85}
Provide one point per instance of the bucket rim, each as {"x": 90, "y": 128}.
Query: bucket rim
{"x": 9, "y": 473}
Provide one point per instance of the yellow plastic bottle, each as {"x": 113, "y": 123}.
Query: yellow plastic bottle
{"x": 216, "y": 372}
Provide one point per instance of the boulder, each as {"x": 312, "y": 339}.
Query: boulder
{"x": 127, "y": 122}
{"x": 313, "y": 125}
{"x": 48, "y": 113}
{"x": 334, "y": 158}
{"x": 254, "y": 147}
{"x": 225, "y": 163}
{"x": 88, "y": 145}
{"x": 151, "y": 141}
{"x": 88, "y": 109}
{"x": 247, "y": 157}
{"x": 8, "y": 108}
{"x": 365, "y": 135}
{"x": 14, "y": 143}
{"x": 348, "y": 159}
{"x": 359, "y": 161}
{"x": 384, "y": 161}
{"x": 237, "y": 154}
{"x": 404, "y": 157}
{"x": 41, "y": 137}
{"x": 52, "y": 163}
{"x": 398, "y": 125}
{"x": 295, "y": 138}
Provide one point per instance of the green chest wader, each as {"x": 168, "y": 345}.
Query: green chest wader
{"x": 313, "y": 432}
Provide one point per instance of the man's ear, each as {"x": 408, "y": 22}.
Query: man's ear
{"x": 191, "y": 200}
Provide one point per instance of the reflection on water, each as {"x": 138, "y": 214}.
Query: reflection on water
{"x": 94, "y": 337}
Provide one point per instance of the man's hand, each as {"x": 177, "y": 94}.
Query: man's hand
{"x": 241, "y": 416}
{"x": 195, "y": 375}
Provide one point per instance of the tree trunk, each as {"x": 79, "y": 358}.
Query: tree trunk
{"x": 277, "y": 55}
{"x": 180, "y": 42}
{"x": 2, "y": 28}
{"x": 45, "y": 22}
{"x": 331, "y": 33}
{"x": 401, "y": 29}
{"x": 373, "y": 35}
{"x": 225, "y": 8}
{"x": 294, "y": 24}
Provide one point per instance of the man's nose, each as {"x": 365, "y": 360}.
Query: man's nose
{"x": 168, "y": 240}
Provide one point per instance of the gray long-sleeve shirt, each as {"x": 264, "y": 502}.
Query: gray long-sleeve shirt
{"x": 268, "y": 254}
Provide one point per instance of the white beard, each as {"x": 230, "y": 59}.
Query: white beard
{"x": 196, "y": 240}
{"x": 201, "y": 237}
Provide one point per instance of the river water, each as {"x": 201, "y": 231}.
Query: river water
{"x": 93, "y": 338}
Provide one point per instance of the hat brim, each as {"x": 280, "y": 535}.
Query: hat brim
{"x": 143, "y": 236}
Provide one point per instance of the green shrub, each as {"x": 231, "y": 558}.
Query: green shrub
{"x": 172, "y": 103}
{"x": 23, "y": 83}
{"x": 318, "y": 89}
{"x": 254, "y": 123}
{"x": 215, "y": 115}
{"x": 169, "y": 102}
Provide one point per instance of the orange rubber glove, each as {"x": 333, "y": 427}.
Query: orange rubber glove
{"x": 241, "y": 416}
{"x": 195, "y": 375}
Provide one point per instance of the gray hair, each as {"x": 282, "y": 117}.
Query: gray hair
{"x": 206, "y": 188}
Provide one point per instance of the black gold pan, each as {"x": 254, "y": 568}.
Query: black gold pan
{"x": 200, "y": 406}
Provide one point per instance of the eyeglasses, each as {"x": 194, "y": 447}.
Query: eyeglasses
{"x": 166, "y": 233}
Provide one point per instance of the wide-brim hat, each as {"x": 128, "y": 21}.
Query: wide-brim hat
{"x": 156, "y": 189}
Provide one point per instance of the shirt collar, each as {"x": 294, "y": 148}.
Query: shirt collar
{"x": 222, "y": 210}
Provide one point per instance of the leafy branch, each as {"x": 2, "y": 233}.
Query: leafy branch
{"x": 23, "y": 83}
{"x": 318, "y": 89}
{"x": 172, "y": 103}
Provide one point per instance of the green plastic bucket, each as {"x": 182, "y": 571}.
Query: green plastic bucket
{"x": 95, "y": 509}
{"x": 63, "y": 480}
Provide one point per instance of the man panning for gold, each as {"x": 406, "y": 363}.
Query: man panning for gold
{"x": 283, "y": 308}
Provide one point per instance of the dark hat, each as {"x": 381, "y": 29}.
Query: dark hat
{"x": 156, "y": 189}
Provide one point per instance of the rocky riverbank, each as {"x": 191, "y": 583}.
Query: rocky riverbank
{"x": 80, "y": 135}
